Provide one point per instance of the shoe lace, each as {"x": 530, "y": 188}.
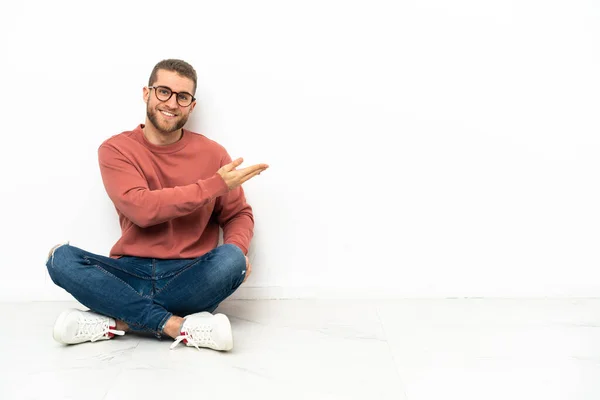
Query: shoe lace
{"x": 95, "y": 328}
{"x": 197, "y": 336}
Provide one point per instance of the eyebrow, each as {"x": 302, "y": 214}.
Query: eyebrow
{"x": 165, "y": 86}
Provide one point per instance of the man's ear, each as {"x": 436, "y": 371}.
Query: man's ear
{"x": 146, "y": 94}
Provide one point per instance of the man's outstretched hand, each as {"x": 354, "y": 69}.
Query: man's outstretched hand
{"x": 234, "y": 178}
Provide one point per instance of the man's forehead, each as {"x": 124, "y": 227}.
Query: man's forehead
{"x": 173, "y": 80}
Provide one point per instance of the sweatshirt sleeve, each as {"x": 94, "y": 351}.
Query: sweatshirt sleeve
{"x": 128, "y": 190}
{"x": 235, "y": 216}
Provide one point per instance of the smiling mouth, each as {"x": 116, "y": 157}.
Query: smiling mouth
{"x": 167, "y": 114}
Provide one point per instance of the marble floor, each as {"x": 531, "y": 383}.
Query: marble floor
{"x": 324, "y": 349}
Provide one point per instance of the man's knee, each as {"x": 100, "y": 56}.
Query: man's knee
{"x": 60, "y": 260}
{"x": 53, "y": 250}
{"x": 53, "y": 264}
{"x": 230, "y": 264}
{"x": 233, "y": 256}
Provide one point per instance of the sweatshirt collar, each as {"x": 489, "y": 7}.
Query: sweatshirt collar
{"x": 169, "y": 148}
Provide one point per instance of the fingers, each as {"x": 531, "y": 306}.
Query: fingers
{"x": 252, "y": 175}
{"x": 252, "y": 169}
{"x": 235, "y": 177}
{"x": 251, "y": 172}
{"x": 234, "y": 164}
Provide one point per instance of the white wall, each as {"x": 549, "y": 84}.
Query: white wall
{"x": 417, "y": 148}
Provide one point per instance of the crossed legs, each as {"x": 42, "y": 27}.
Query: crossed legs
{"x": 148, "y": 295}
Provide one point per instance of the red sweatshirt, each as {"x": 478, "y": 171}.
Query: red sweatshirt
{"x": 170, "y": 200}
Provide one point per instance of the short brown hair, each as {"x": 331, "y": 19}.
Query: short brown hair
{"x": 179, "y": 66}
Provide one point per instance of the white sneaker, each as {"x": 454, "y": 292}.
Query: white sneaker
{"x": 75, "y": 326}
{"x": 206, "y": 330}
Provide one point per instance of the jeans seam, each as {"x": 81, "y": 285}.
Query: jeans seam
{"x": 185, "y": 267}
{"x": 175, "y": 276}
{"x": 140, "y": 327}
{"x": 163, "y": 322}
{"x": 137, "y": 325}
{"x": 153, "y": 277}
{"x": 121, "y": 280}
{"x": 112, "y": 266}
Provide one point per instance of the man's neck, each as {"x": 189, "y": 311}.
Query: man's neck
{"x": 158, "y": 138}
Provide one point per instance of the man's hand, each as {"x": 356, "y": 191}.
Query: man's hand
{"x": 234, "y": 178}
{"x": 248, "y": 269}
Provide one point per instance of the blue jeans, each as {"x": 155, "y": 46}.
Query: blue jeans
{"x": 146, "y": 292}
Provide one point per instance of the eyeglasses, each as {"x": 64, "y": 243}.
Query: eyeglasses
{"x": 163, "y": 93}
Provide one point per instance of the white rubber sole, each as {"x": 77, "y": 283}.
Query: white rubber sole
{"x": 226, "y": 332}
{"x": 57, "y": 332}
{"x": 222, "y": 334}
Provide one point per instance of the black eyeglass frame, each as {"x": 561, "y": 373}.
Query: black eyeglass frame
{"x": 172, "y": 93}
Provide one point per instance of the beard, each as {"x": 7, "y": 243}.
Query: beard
{"x": 161, "y": 124}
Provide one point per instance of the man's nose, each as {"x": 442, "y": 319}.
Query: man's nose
{"x": 172, "y": 102}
